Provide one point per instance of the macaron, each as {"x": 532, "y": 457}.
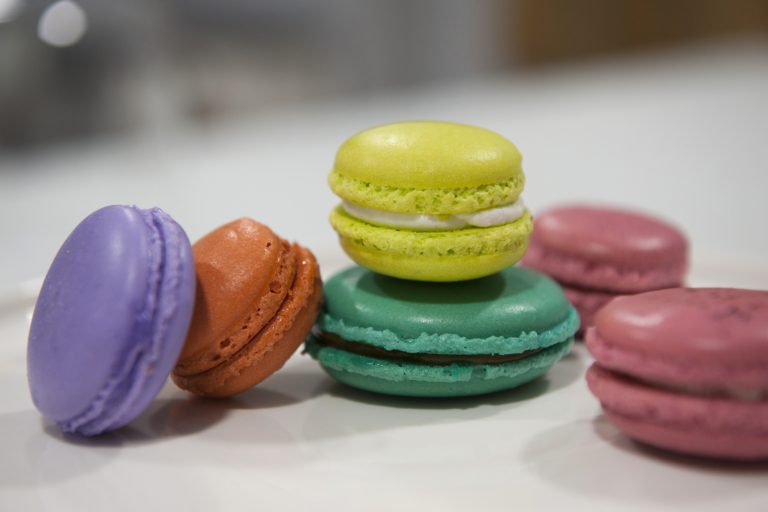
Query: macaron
{"x": 257, "y": 298}
{"x": 430, "y": 201}
{"x": 111, "y": 319}
{"x": 597, "y": 253}
{"x": 686, "y": 369}
{"x": 409, "y": 338}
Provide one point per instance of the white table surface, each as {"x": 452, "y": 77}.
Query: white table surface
{"x": 684, "y": 136}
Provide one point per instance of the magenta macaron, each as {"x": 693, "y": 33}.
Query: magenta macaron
{"x": 597, "y": 253}
{"x": 686, "y": 369}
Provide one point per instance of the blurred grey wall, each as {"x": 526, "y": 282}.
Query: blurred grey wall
{"x": 78, "y": 69}
{"x": 148, "y": 65}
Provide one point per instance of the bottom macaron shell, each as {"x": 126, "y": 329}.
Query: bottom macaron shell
{"x": 438, "y": 256}
{"x": 393, "y": 377}
{"x": 432, "y": 268}
{"x": 691, "y": 424}
{"x": 702, "y": 444}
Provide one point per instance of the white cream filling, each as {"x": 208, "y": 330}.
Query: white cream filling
{"x": 425, "y": 222}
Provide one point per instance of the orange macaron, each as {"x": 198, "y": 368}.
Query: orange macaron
{"x": 257, "y": 298}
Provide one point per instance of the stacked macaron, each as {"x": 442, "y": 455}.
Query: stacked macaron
{"x": 433, "y": 212}
{"x": 430, "y": 201}
{"x": 128, "y": 300}
{"x": 598, "y": 253}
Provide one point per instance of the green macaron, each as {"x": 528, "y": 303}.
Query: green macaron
{"x": 430, "y": 201}
{"x": 408, "y": 338}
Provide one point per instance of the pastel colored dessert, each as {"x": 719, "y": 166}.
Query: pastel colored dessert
{"x": 598, "y": 253}
{"x": 411, "y": 338}
{"x": 111, "y": 319}
{"x": 257, "y": 298}
{"x": 430, "y": 201}
{"x": 686, "y": 369}
{"x": 587, "y": 303}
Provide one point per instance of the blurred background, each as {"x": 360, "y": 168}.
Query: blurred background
{"x": 78, "y": 69}
{"x": 215, "y": 110}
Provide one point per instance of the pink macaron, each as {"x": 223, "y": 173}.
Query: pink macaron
{"x": 686, "y": 369}
{"x": 597, "y": 253}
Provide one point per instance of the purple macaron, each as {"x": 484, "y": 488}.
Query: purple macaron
{"x": 111, "y": 319}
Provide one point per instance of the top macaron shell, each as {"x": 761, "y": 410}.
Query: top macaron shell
{"x": 607, "y": 249}
{"x": 111, "y": 319}
{"x": 428, "y": 167}
{"x": 704, "y": 337}
{"x": 506, "y": 313}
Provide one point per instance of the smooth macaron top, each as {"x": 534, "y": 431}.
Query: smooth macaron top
{"x": 110, "y": 319}
{"x": 718, "y": 324}
{"x": 507, "y": 312}
{"x": 428, "y": 154}
{"x": 609, "y": 235}
{"x": 706, "y": 336}
{"x": 399, "y": 167}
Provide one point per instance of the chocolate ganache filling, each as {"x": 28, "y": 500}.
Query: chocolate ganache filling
{"x": 333, "y": 340}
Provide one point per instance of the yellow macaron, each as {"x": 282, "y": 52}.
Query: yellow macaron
{"x": 430, "y": 201}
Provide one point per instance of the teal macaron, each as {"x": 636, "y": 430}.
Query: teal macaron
{"x": 407, "y": 338}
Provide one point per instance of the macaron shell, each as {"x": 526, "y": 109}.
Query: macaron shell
{"x": 459, "y": 242}
{"x": 420, "y": 380}
{"x": 239, "y": 268}
{"x": 433, "y": 256}
{"x": 173, "y": 313}
{"x": 432, "y": 268}
{"x": 435, "y": 201}
{"x": 723, "y": 445}
{"x": 697, "y": 425}
{"x": 687, "y": 336}
{"x": 506, "y": 313}
{"x": 269, "y": 349}
{"x": 604, "y": 276}
{"x": 428, "y": 154}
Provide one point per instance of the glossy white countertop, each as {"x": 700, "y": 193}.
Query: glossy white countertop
{"x": 684, "y": 136}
